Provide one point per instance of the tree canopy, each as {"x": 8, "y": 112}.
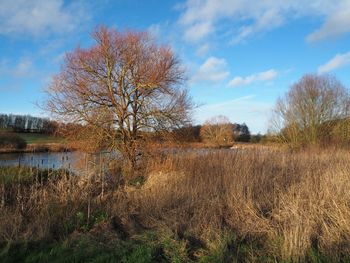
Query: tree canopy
{"x": 311, "y": 108}
{"x": 122, "y": 85}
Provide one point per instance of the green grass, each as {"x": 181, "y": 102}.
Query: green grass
{"x": 149, "y": 247}
{"x": 34, "y": 138}
{"x": 37, "y": 138}
{"x": 85, "y": 248}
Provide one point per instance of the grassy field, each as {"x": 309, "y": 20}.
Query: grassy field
{"x": 37, "y": 138}
{"x": 221, "y": 206}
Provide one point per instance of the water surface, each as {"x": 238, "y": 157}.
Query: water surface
{"x": 74, "y": 161}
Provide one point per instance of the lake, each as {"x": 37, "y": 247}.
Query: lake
{"x": 74, "y": 161}
{"x": 79, "y": 161}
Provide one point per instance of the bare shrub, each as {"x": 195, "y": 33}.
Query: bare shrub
{"x": 217, "y": 131}
{"x": 310, "y": 110}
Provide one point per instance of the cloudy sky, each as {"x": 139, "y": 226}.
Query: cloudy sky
{"x": 240, "y": 55}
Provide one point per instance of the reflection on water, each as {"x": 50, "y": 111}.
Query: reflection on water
{"x": 79, "y": 161}
{"x": 74, "y": 161}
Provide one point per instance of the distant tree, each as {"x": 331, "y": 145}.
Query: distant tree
{"x": 124, "y": 84}
{"x": 50, "y": 127}
{"x": 29, "y": 123}
{"x": 306, "y": 114}
{"x": 3, "y": 121}
{"x": 241, "y": 132}
{"x": 217, "y": 131}
{"x": 19, "y": 124}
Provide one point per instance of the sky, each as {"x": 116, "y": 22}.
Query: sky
{"x": 239, "y": 55}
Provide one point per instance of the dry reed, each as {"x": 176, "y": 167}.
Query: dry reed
{"x": 288, "y": 203}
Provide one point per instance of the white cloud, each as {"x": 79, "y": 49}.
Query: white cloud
{"x": 269, "y": 20}
{"x": 22, "y": 69}
{"x": 198, "y": 31}
{"x": 337, "y": 23}
{"x": 258, "y": 77}
{"x": 14, "y": 74}
{"x": 202, "y": 50}
{"x": 37, "y": 17}
{"x": 200, "y": 18}
{"x": 213, "y": 69}
{"x": 340, "y": 60}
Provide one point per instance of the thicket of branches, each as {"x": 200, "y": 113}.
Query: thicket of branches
{"x": 218, "y": 131}
{"x": 122, "y": 87}
{"x": 315, "y": 111}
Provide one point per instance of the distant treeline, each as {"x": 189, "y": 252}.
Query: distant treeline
{"x": 27, "y": 123}
{"x": 191, "y": 133}
{"x": 30, "y": 124}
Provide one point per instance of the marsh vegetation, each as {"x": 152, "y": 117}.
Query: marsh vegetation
{"x": 256, "y": 206}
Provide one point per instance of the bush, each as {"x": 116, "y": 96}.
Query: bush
{"x": 217, "y": 131}
{"x": 12, "y": 141}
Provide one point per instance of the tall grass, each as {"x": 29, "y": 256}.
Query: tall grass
{"x": 247, "y": 205}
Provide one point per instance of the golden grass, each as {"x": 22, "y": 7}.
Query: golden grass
{"x": 291, "y": 202}
{"x": 288, "y": 203}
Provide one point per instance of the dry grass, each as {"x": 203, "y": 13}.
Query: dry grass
{"x": 287, "y": 203}
{"x": 291, "y": 202}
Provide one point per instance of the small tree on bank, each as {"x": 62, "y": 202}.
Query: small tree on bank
{"x": 217, "y": 131}
{"x": 119, "y": 87}
{"x": 311, "y": 110}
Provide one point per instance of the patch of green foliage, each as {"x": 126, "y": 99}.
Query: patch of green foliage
{"x": 82, "y": 223}
{"x": 150, "y": 246}
{"x": 140, "y": 249}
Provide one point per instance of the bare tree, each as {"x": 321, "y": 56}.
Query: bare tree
{"x": 119, "y": 87}
{"x": 217, "y": 131}
{"x": 307, "y": 113}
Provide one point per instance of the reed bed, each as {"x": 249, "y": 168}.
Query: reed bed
{"x": 248, "y": 205}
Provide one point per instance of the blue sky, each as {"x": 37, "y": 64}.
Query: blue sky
{"x": 240, "y": 55}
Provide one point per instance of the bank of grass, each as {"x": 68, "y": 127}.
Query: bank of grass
{"x": 30, "y": 142}
{"x": 33, "y": 138}
{"x": 149, "y": 247}
{"x": 38, "y": 138}
{"x": 215, "y": 206}
{"x": 87, "y": 249}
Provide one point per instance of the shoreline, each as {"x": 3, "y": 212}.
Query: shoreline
{"x": 43, "y": 147}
